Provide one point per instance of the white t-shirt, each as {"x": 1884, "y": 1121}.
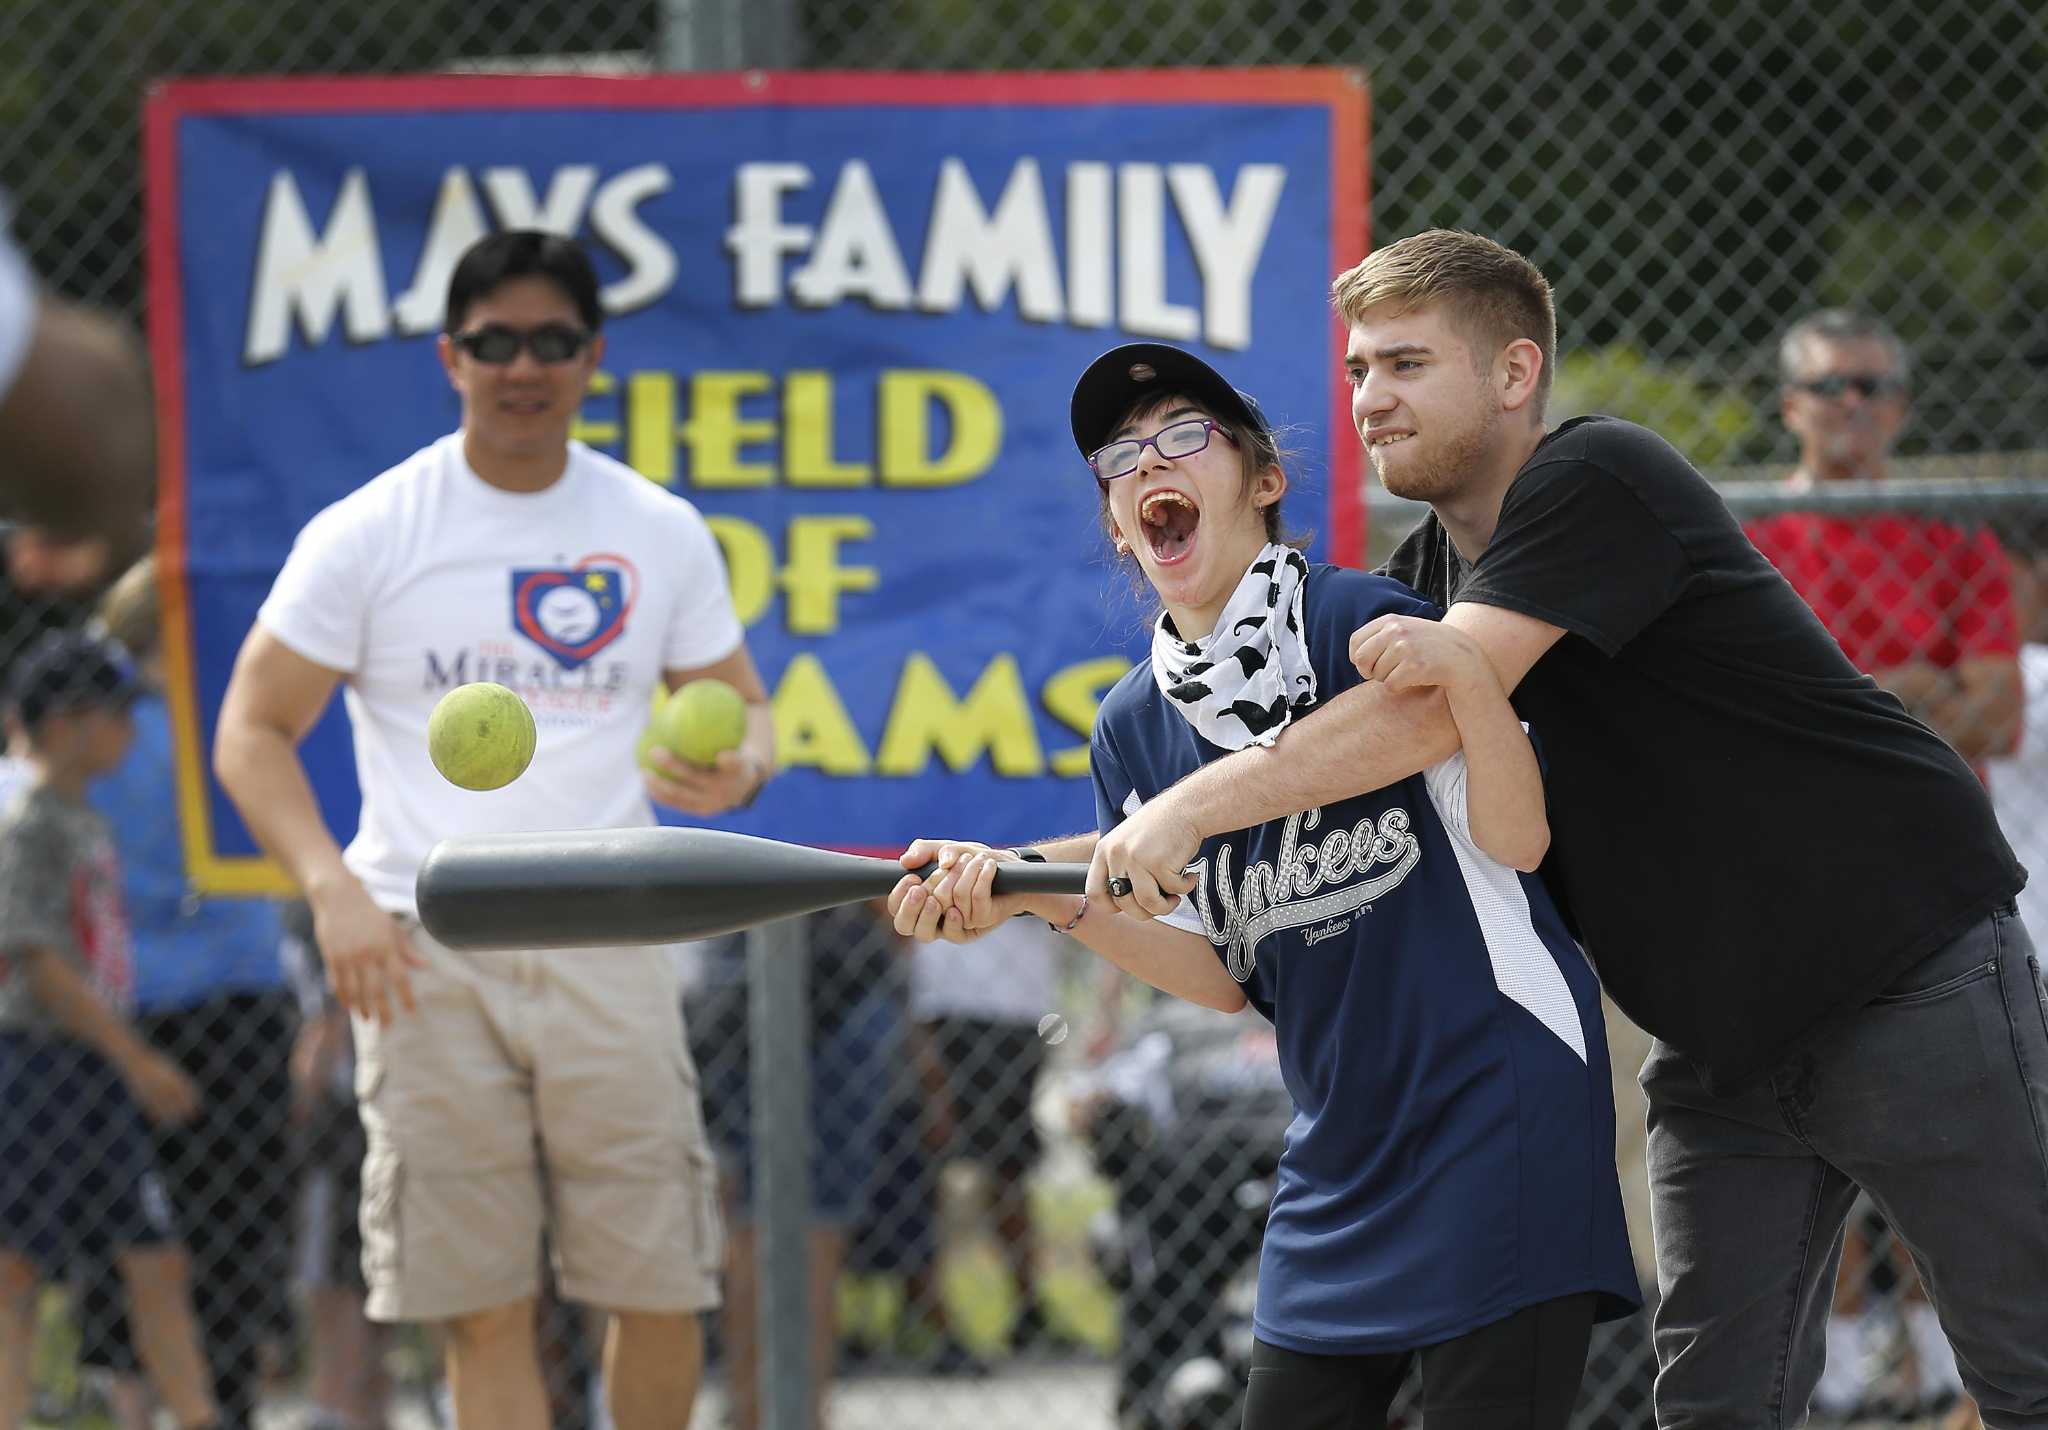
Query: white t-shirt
{"x": 2019, "y": 791}
{"x": 1008, "y": 975}
{"x": 17, "y": 306}
{"x": 578, "y": 597}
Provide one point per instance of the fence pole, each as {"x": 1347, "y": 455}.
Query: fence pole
{"x": 778, "y": 968}
{"x": 728, "y": 34}
{"x": 739, "y": 34}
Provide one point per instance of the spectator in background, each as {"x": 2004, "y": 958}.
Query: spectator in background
{"x": 210, "y": 991}
{"x": 980, "y": 1056}
{"x": 517, "y": 1094}
{"x": 855, "y": 1042}
{"x": 76, "y": 454}
{"x": 76, "y": 1077}
{"x": 897, "y": 1235}
{"x": 75, "y": 458}
{"x": 345, "y": 1383}
{"x": 43, "y": 584}
{"x": 1924, "y": 607}
{"x": 1920, "y": 604}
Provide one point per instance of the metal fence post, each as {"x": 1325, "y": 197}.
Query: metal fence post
{"x": 736, "y": 34}
{"x": 778, "y": 966}
{"x": 728, "y": 34}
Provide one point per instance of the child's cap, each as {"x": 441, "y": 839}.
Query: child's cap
{"x": 70, "y": 670}
{"x": 1124, "y": 376}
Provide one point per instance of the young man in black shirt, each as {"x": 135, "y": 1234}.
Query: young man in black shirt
{"x": 1796, "y": 887}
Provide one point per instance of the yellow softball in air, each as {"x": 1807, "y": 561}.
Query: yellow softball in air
{"x": 481, "y": 736}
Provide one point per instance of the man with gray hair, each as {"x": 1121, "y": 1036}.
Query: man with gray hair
{"x": 1921, "y": 604}
{"x": 1925, "y": 607}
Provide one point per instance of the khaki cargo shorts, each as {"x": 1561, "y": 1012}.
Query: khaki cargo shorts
{"x": 537, "y": 1089}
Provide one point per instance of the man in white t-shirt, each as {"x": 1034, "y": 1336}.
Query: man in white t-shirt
{"x": 499, "y": 1090}
{"x": 76, "y": 459}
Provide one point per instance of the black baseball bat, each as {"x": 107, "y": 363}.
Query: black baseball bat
{"x": 594, "y": 887}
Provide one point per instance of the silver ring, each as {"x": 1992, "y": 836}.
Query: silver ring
{"x": 1119, "y": 887}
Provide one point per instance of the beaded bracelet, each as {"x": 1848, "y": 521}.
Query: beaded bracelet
{"x": 1070, "y": 925}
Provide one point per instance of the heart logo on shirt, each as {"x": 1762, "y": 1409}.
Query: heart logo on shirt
{"x": 573, "y": 612}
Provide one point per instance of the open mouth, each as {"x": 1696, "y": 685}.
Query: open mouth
{"x": 1169, "y": 520}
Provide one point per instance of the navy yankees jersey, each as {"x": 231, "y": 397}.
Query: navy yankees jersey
{"x": 1451, "y": 1158}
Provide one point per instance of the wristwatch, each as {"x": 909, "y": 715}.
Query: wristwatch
{"x": 1029, "y": 856}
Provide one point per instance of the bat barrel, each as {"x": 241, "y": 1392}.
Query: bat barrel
{"x": 604, "y": 887}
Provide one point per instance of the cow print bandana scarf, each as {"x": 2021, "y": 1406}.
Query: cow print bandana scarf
{"x": 1241, "y": 684}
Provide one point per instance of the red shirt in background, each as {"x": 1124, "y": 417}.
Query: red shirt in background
{"x": 1895, "y": 588}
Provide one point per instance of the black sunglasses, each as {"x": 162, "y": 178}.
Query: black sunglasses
{"x": 1866, "y": 384}
{"x": 497, "y": 344}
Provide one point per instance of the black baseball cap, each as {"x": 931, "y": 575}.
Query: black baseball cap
{"x": 1121, "y": 378}
{"x": 70, "y": 670}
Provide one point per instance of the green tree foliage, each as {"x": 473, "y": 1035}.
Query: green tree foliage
{"x": 1712, "y": 425}
{"x": 1691, "y": 173}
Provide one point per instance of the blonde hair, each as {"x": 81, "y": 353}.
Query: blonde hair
{"x": 1492, "y": 293}
{"x": 129, "y": 610}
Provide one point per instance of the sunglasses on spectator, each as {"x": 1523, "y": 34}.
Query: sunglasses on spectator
{"x": 549, "y": 343}
{"x": 1177, "y": 439}
{"x": 1866, "y": 384}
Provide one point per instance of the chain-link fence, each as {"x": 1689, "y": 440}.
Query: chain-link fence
{"x": 1033, "y": 1225}
{"x": 1036, "y": 1194}
{"x": 1690, "y": 177}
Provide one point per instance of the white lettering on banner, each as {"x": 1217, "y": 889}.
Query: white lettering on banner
{"x": 759, "y": 238}
{"x": 342, "y": 270}
{"x": 1089, "y": 220}
{"x": 298, "y": 276}
{"x": 1141, "y": 258}
{"x": 967, "y": 245}
{"x": 458, "y": 222}
{"x": 1227, "y": 240}
{"x": 650, "y": 259}
{"x": 1122, "y": 222}
{"x": 855, "y": 255}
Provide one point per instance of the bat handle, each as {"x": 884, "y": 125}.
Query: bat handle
{"x": 1017, "y": 877}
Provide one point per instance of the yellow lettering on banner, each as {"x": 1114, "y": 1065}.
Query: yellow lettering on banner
{"x": 811, "y": 724}
{"x": 651, "y": 426}
{"x": 807, "y": 423}
{"x": 716, "y": 431}
{"x": 589, "y": 430}
{"x": 1073, "y": 695}
{"x": 927, "y": 716}
{"x": 798, "y": 440}
{"x": 814, "y": 578}
{"x": 749, "y": 564}
{"x": 904, "y": 422}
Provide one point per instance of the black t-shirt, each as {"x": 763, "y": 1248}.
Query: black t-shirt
{"x": 1750, "y": 836}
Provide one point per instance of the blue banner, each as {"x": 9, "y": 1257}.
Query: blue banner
{"x": 844, "y": 317}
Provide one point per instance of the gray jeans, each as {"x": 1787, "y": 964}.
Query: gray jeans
{"x": 1934, "y": 1099}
